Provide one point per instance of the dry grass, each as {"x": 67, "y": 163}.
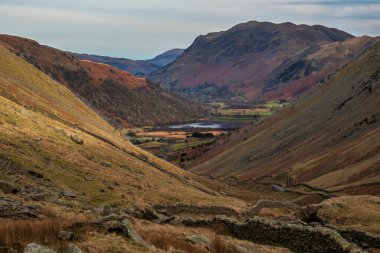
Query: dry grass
{"x": 18, "y": 233}
{"x": 95, "y": 242}
{"x": 168, "y": 238}
{"x": 171, "y": 238}
{"x": 360, "y": 212}
{"x": 220, "y": 246}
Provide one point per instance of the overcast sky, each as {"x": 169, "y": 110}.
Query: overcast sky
{"x": 140, "y": 29}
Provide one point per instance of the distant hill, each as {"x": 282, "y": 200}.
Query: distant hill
{"x": 140, "y": 68}
{"x": 329, "y": 139}
{"x": 260, "y": 60}
{"x": 121, "y": 98}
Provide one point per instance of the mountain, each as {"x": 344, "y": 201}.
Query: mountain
{"x": 121, "y": 98}
{"x": 140, "y": 68}
{"x": 70, "y": 182}
{"x": 260, "y": 60}
{"x": 167, "y": 57}
{"x": 327, "y": 142}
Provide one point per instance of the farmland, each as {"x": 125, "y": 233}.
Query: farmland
{"x": 182, "y": 145}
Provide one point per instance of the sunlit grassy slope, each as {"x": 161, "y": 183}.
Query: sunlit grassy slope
{"x": 38, "y": 116}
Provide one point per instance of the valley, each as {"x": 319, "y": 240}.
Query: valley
{"x": 264, "y": 138}
{"x": 183, "y": 144}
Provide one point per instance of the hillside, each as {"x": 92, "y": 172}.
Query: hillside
{"x": 327, "y": 142}
{"x": 260, "y": 60}
{"x": 47, "y": 131}
{"x": 70, "y": 182}
{"x": 121, "y": 98}
{"x": 140, "y": 68}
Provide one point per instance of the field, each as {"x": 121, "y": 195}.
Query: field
{"x": 245, "y": 112}
{"x": 179, "y": 147}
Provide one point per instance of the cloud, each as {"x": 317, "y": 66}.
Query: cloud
{"x": 144, "y": 28}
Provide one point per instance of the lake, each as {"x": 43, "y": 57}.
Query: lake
{"x": 207, "y": 125}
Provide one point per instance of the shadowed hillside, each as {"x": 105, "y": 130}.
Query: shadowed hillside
{"x": 121, "y": 98}
{"x": 260, "y": 60}
{"x": 329, "y": 139}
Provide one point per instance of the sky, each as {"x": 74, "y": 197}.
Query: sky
{"x": 142, "y": 29}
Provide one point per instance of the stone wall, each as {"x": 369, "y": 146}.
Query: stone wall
{"x": 171, "y": 210}
{"x": 296, "y": 237}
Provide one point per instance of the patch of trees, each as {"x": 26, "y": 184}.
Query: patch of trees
{"x": 202, "y": 135}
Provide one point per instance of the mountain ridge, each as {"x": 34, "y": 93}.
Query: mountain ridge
{"x": 256, "y": 60}
{"x": 139, "y": 68}
{"x": 121, "y": 98}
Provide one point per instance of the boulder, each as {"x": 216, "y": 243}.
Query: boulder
{"x": 65, "y": 235}
{"x": 7, "y": 188}
{"x": 240, "y": 249}
{"x": 72, "y": 248}
{"x": 68, "y": 193}
{"x": 152, "y": 215}
{"x": 76, "y": 139}
{"x": 125, "y": 228}
{"x": 35, "y": 193}
{"x": 107, "y": 210}
{"x": 88, "y": 178}
{"x": 132, "y": 234}
{"x": 199, "y": 240}
{"x": 106, "y": 164}
{"x": 35, "y": 248}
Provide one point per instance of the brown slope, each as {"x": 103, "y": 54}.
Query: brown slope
{"x": 261, "y": 59}
{"x": 38, "y": 118}
{"x": 328, "y": 139}
{"x": 120, "y": 97}
{"x": 137, "y": 67}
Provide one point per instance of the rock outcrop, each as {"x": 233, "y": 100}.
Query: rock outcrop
{"x": 10, "y": 208}
{"x": 35, "y": 248}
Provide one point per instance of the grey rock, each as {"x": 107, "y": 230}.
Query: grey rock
{"x": 125, "y": 228}
{"x": 240, "y": 249}
{"x": 10, "y": 208}
{"x": 35, "y": 248}
{"x": 88, "y": 178}
{"x": 125, "y": 166}
{"x": 35, "y": 174}
{"x": 76, "y": 139}
{"x": 107, "y": 210}
{"x": 152, "y": 215}
{"x": 278, "y": 188}
{"x": 132, "y": 234}
{"x": 112, "y": 217}
{"x": 35, "y": 193}
{"x": 7, "y": 188}
{"x": 199, "y": 240}
{"x": 106, "y": 164}
{"x": 72, "y": 248}
{"x": 65, "y": 235}
{"x": 68, "y": 193}
{"x": 129, "y": 210}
